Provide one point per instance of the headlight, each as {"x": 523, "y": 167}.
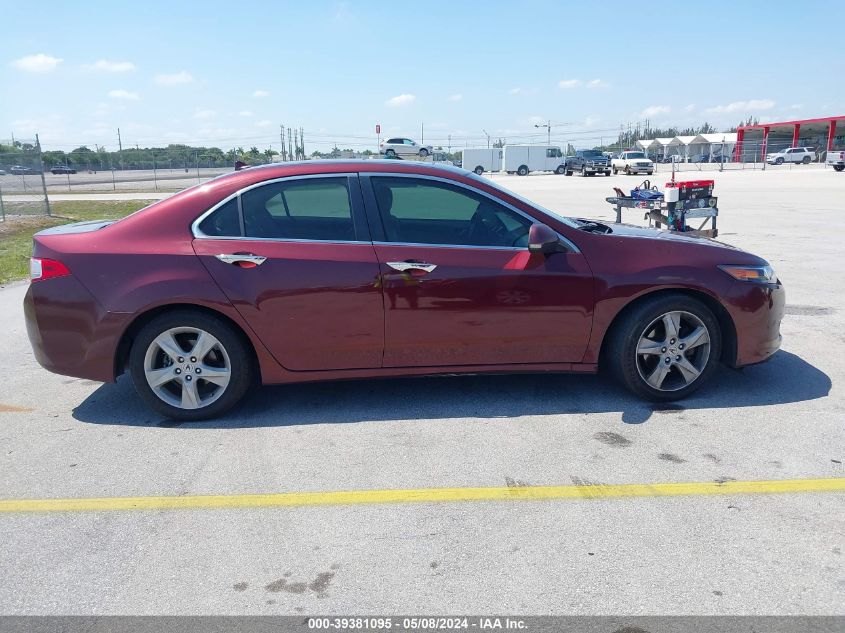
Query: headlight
{"x": 759, "y": 274}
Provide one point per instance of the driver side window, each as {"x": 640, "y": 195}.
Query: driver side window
{"x": 421, "y": 211}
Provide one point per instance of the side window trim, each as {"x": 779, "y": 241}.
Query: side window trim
{"x": 360, "y": 224}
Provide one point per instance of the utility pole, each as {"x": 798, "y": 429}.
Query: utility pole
{"x": 488, "y": 138}
{"x": 282, "y": 138}
{"x": 450, "y": 144}
{"x": 422, "y": 133}
{"x": 120, "y": 149}
{"x": 548, "y": 127}
{"x": 43, "y": 182}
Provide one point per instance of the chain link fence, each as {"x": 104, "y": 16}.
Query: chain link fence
{"x": 22, "y": 172}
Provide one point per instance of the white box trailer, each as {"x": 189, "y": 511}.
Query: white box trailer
{"x": 523, "y": 159}
{"x": 481, "y": 159}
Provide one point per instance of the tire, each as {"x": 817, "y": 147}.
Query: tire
{"x": 607, "y": 173}
{"x": 584, "y": 173}
{"x": 568, "y": 172}
{"x": 627, "y": 171}
{"x": 522, "y": 171}
{"x": 479, "y": 170}
{"x": 560, "y": 170}
{"x": 615, "y": 171}
{"x": 806, "y": 160}
{"x": 650, "y": 173}
{"x": 642, "y": 327}
{"x": 229, "y": 351}
{"x": 423, "y": 152}
{"x": 779, "y": 160}
{"x": 838, "y": 167}
{"x": 390, "y": 152}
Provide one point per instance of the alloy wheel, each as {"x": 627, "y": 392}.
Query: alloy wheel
{"x": 673, "y": 350}
{"x": 187, "y": 367}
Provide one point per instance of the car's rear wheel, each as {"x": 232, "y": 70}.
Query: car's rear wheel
{"x": 479, "y": 170}
{"x": 390, "y": 152}
{"x": 665, "y": 348}
{"x": 806, "y": 160}
{"x": 615, "y": 171}
{"x": 522, "y": 171}
{"x": 838, "y": 167}
{"x": 188, "y": 365}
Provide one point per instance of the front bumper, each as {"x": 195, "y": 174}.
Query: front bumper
{"x": 757, "y": 311}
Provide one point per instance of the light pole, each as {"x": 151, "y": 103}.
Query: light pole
{"x": 488, "y": 138}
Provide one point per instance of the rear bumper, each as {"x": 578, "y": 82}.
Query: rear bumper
{"x": 70, "y": 333}
{"x": 757, "y": 311}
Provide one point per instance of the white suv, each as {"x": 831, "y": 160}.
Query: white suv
{"x": 804, "y": 155}
{"x": 400, "y": 146}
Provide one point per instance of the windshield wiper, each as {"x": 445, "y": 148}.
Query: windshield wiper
{"x": 594, "y": 227}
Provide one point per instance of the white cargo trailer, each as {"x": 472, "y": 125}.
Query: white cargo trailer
{"x": 523, "y": 159}
{"x": 481, "y": 159}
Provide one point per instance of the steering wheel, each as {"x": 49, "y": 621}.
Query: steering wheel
{"x": 487, "y": 226}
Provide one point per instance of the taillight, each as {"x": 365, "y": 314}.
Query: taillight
{"x": 41, "y": 268}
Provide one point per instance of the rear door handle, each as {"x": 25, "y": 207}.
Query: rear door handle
{"x": 241, "y": 259}
{"x": 403, "y": 266}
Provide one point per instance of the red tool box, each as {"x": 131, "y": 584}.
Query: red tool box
{"x": 689, "y": 189}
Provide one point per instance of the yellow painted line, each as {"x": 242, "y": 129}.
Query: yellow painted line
{"x": 424, "y": 495}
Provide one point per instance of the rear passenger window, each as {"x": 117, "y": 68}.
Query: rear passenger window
{"x": 224, "y": 222}
{"x": 307, "y": 209}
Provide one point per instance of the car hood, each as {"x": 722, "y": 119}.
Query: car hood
{"x": 629, "y": 231}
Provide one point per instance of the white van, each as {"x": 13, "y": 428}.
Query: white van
{"x": 523, "y": 159}
{"x": 481, "y": 159}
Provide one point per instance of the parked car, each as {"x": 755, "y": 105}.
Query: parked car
{"x": 20, "y": 170}
{"x": 481, "y": 159}
{"x": 588, "y": 162}
{"x": 700, "y": 158}
{"x": 836, "y": 159}
{"x": 633, "y": 162}
{"x": 434, "y": 269}
{"x": 2, "y": 172}
{"x": 523, "y": 159}
{"x": 62, "y": 169}
{"x": 403, "y": 147}
{"x": 672, "y": 158}
{"x": 804, "y": 155}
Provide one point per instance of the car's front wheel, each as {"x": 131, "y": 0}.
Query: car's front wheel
{"x": 665, "y": 348}
{"x": 189, "y": 365}
{"x": 423, "y": 153}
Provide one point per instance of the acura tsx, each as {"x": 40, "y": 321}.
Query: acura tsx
{"x": 351, "y": 269}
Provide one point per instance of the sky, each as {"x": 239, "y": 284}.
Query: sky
{"x": 229, "y": 74}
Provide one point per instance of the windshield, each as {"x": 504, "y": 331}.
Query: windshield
{"x": 592, "y": 153}
{"x": 634, "y": 155}
{"x": 566, "y": 220}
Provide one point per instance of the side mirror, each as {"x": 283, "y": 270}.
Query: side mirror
{"x": 542, "y": 239}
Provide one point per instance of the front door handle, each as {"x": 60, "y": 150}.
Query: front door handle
{"x": 404, "y": 266}
{"x": 241, "y": 259}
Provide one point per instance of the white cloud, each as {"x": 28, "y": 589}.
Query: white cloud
{"x": 400, "y": 100}
{"x": 796, "y": 106}
{"x": 514, "y": 91}
{"x": 124, "y": 94}
{"x": 566, "y": 84}
{"x": 655, "y": 110}
{"x": 39, "y": 63}
{"x": 743, "y": 106}
{"x": 204, "y": 115}
{"x": 245, "y": 113}
{"x": 263, "y": 123}
{"x": 106, "y": 66}
{"x": 260, "y": 93}
{"x": 456, "y": 97}
{"x": 174, "y": 79}
{"x": 690, "y": 107}
{"x": 591, "y": 121}
{"x": 597, "y": 83}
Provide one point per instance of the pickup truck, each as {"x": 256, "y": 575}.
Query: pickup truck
{"x": 587, "y": 161}
{"x": 836, "y": 159}
{"x": 803, "y": 155}
{"x": 633, "y": 163}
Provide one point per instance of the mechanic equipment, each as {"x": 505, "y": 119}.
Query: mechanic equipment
{"x": 681, "y": 201}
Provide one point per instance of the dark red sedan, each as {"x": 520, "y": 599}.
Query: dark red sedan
{"x": 350, "y": 269}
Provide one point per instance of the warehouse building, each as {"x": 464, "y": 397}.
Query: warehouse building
{"x": 824, "y": 134}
